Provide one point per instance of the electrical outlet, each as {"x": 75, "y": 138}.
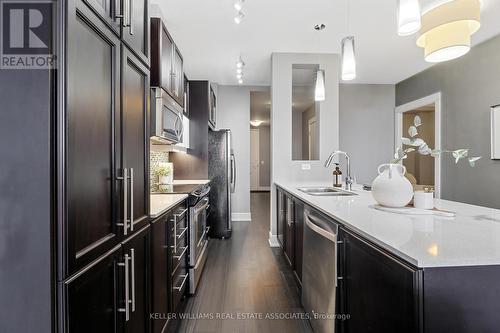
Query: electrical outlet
{"x": 306, "y": 166}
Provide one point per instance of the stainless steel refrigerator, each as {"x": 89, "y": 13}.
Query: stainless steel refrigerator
{"x": 222, "y": 172}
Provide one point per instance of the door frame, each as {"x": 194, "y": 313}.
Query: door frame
{"x": 398, "y": 130}
{"x": 252, "y": 131}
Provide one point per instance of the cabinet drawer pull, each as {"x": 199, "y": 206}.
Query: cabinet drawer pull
{"x": 131, "y": 17}
{"x": 180, "y": 216}
{"x": 185, "y": 276}
{"x": 179, "y": 257}
{"x": 127, "y": 299}
{"x": 182, "y": 233}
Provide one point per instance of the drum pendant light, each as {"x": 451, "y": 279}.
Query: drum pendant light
{"x": 447, "y": 29}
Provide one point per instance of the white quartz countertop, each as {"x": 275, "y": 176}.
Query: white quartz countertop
{"x": 160, "y": 203}
{"x": 191, "y": 181}
{"x": 471, "y": 238}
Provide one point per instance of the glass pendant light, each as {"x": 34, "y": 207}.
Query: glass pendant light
{"x": 348, "y": 59}
{"x": 319, "y": 91}
{"x": 409, "y": 17}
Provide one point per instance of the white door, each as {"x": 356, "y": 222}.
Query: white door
{"x": 254, "y": 159}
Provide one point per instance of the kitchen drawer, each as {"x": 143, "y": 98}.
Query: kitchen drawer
{"x": 180, "y": 282}
{"x": 179, "y": 257}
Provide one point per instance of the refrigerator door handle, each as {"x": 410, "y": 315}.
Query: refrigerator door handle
{"x": 233, "y": 173}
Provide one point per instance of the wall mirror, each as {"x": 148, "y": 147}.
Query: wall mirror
{"x": 305, "y": 113}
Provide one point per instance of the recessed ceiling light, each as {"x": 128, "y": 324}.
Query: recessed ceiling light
{"x": 239, "y": 70}
{"x": 238, "y": 5}
{"x": 240, "y": 81}
{"x": 239, "y": 17}
{"x": 239, "y": 76}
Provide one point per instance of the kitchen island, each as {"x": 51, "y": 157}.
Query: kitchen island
{"x": 400, "y": 273}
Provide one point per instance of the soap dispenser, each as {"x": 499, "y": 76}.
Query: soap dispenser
{"x": 337, "y": 176}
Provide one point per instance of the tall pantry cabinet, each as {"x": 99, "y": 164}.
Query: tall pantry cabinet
{"x": 103, "y": 233}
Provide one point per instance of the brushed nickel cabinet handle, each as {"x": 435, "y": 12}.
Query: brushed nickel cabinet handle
{"x": 131, "y": 17}
{"x": 185, "y": 276}
{"x": 131, "y": 199}
{"x": 126, "y": 309}
{"x": 132, "y": 256}
{"x": 125, "y": 201}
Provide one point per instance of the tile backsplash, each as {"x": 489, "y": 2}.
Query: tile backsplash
{"x": 155, "y": 160}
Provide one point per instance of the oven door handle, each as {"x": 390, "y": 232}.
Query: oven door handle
{"x": 202, "y": 207}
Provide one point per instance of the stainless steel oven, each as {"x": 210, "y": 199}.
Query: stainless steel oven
{"x": 198, "y": 236}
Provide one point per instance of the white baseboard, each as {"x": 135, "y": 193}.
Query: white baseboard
{"x": 261, "y": 188}
{"x": 241, "y": 217}
{"x": 273, "y": 240}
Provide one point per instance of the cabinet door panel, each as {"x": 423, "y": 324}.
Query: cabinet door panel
{"x": 379, "y": 290}
{"x": 92, "y": 105}
{"x": 289, "y": 232}
{"x": 91, "y": 298}
{"x": 167, "y": 52}
{"x": 135, "y": 144}
{"x": 160, "y": 296}
{"x": 107, "y": 10}
{"x": 138, "y": 250}
{"x": 298, "y": 237}
{"x": 136, "y": 30}
{"x": 178, "y": 78}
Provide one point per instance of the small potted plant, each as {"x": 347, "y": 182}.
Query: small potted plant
{"x": 164, "y": 173}
{"x": 391, "y": 188}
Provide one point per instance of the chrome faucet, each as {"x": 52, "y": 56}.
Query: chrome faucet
{"x": 348, "y": 178}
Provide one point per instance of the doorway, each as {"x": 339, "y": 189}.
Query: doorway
{"x": 423, "y": 171}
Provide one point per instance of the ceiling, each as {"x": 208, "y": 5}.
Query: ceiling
{"x": 211, "y": 42}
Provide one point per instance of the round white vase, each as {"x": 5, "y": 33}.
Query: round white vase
{"x": 391, "y": 188}
{"x": 164, "y": 180}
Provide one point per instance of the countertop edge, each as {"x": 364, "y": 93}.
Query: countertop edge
{"x": 346, "y": 224}
{"x": 181, "y": 198}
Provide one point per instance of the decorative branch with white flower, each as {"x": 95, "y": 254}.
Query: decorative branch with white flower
{"x": 420, "y": 146}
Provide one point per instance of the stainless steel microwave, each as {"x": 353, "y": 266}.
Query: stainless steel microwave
{"x": 166, "y": 118}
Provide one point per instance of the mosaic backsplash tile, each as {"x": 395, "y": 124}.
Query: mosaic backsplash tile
{"x": 155, "y": 160}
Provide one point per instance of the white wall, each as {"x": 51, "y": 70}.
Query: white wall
{"x": 367, "y": 127}
{"x": 283, "y": 167}
{"x": 233, "y": 112}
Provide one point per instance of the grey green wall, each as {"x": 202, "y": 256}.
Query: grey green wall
{"x": 366, "y": 127}
{"x": 469, "y": 86}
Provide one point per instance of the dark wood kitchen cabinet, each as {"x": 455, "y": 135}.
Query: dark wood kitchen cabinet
{"x": 281, "y": 218}
{"x": 135, "y": 27}
{"x": 92, "y": 116}
{"x": 137, "y": 250}
{"x": 106, "y": 142}
{"x": 134, "y": 133}
{"x": 112, "y": 293}
{"x": 298, "y": 238}
{"x": 167, "y": 69}
{"x": 289, "y": 233}
{"x": 128, "y": 19}
{"x": 170, "y": 250}
{"x": 91, "y": 298}
{"x": 378, "y": 291}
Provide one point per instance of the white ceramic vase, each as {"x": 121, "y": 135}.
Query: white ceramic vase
{"x": 164, "y": 180}
{"x": 391, "y": 188}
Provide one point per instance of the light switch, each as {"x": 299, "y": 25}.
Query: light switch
{"x": 306, "y": 166}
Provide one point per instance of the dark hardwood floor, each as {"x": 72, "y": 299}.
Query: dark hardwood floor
{"x": 244, "y": 276}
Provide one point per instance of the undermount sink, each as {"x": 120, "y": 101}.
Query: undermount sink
{"x": 325, "y": 191}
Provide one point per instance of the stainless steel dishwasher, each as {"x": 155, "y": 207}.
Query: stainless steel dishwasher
{"x": 319, "y": 271}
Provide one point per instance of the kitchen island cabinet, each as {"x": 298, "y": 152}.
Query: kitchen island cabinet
{"x": 392, "y": 276}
